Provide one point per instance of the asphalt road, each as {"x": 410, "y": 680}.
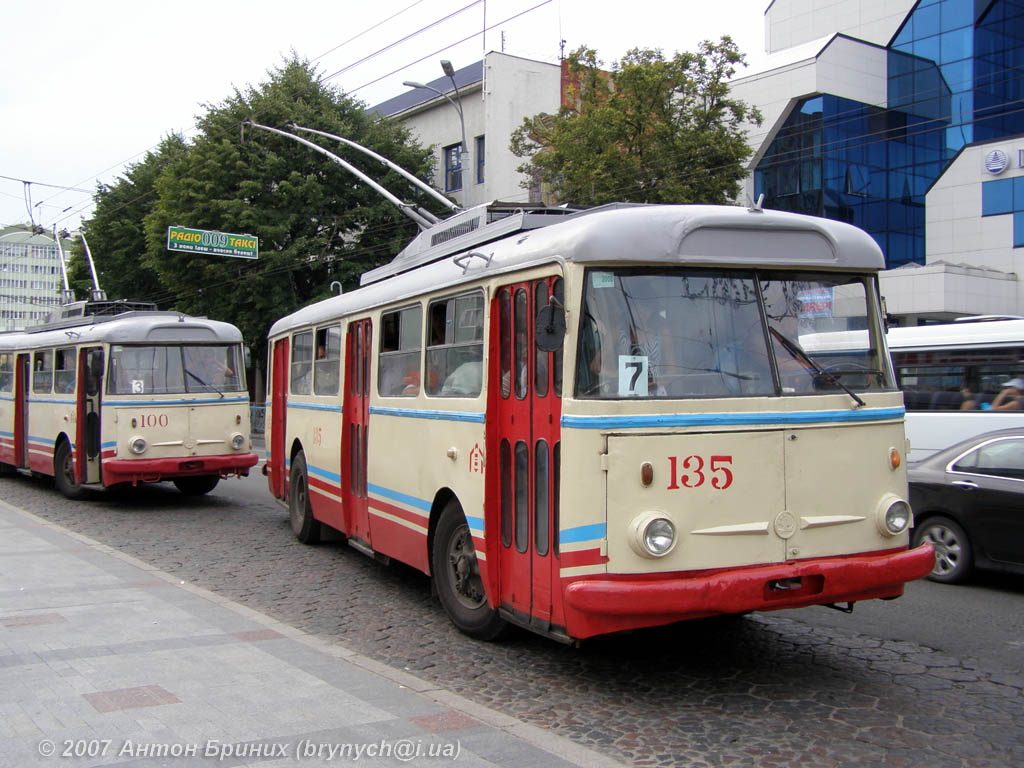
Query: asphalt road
{"x": 932, "y": 679}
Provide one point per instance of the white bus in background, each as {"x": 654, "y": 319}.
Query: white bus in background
{"x": 951, "y": 374}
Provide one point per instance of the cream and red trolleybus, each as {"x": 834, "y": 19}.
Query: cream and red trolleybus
{"x": 590, "y": 421}
{"x": 112, "y": 392}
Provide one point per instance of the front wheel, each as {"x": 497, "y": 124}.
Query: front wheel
{"x": 305, "y": 527}
{"x": 197, "y": 485}
{"x": 953, "y": 560}
{"x": 64, "y": 472}
{"x": 457, "y": 577}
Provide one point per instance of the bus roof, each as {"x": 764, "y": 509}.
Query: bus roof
{"x": 621, "y": 235}
{"x": 127, "y": 328}
{"x": 958, "y": 335}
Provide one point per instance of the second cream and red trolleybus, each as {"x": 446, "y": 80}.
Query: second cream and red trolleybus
{"x": 593, "y": 421}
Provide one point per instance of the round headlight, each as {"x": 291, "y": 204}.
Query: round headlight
{"x": 659, "y": 536}
{"x": 897, "y": 517}
{"x": 137, "y": 445}
{"x": 237, "y": 441}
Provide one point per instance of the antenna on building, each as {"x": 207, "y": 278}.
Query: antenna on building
{"x": 66, "y": 295}
{"x": 423, "y": 218}
{"x": 97, "y": 293}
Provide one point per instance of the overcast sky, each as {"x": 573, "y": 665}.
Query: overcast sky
{"x": 87, "y": 87}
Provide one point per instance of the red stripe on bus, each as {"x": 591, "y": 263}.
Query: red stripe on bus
{"x": 580, "y": 557}
{"x": 412, "y": 517}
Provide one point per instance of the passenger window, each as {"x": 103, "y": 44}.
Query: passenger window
{"x": 302, "y": 363}
{"x": 398, "y": 362}
{"x": 455, "y": 346}
{"x": 42, "y": 371}
{"x": 1003, "y": 458}
{"x": 6, "y": 372}
{"x": 64, "y": 373}
{"x": 328, "y": 361}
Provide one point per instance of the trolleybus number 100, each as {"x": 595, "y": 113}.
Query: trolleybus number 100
{"x": 152, "y": 420}
{"x": 693, "y": 475}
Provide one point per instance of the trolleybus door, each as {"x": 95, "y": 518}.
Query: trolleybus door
{"x": 524, "y": 450}
{"x": 278, "y": 403}
{"x": 21, "y": 385}
{"x": 355, "y": 429}
{"x": 87, "y": 437}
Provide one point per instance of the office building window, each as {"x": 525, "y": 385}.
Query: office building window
{"x": 452, "y": 168}
{"x": 480, "y": 159}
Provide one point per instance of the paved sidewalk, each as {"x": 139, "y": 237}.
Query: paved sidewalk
{"x": 107, "y": 661}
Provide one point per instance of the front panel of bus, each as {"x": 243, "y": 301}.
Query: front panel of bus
{"x": 734, "y": 443}
{"x": 173, "y": 410}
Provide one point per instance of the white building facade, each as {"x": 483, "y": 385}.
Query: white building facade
{"x": 496, "y": 95}
{"x": 30, "y": 277}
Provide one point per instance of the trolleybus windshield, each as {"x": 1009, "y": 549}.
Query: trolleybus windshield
{"x": 716, "y": 333}
{"x": 167, "y": 369}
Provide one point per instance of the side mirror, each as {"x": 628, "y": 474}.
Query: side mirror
{"x": 550, "y": 328}
{"x": 246, "y": 356}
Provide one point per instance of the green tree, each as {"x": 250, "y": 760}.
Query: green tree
{"x": 651, "y": 130}
{"x": 115, "y": 231}
{"x": 316, "y": 223}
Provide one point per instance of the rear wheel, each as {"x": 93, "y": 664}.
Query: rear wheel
{"x": 953, "y": 556}
{"x": 457, "y": 577}
{"x": 64, "y": 472}
{"x": 197, "y": 485}
{"x": 305, "y": 527}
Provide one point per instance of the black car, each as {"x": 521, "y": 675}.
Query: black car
{"x": 968, "y": 501}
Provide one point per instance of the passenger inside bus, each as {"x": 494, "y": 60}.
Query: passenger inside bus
{"x": 1010, "y": 397}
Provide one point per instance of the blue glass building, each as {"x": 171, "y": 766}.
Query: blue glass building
{"x": 954, "y": 76}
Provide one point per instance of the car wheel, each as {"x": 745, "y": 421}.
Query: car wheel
{"x": 305, "y": 527}
{"x": 64, "y": 472}
{"x": 457, "y": 578}
{"x": 196, "y": 486}
{"x": 953, "y": 557}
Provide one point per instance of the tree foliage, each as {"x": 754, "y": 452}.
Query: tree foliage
{"x": 316, "y": 223}
{"x": 651, "y": 130}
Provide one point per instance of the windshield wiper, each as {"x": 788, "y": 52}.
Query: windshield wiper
{"x": 203, "y": 383}
{"x": 797, "y": 351}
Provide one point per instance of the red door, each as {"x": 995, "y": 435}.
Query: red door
{"x": 355, "y": 437}
{"x": 87, "y": 437}
{"x": 21, "y": 411}
{"x": 277, "y": 474}
{"x": 525, "y": 401}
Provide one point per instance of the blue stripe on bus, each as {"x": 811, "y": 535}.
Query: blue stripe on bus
{"x": 314, "y": 407}
{"x": 334, "y": 477}
{"x": 41, "y": 440}
{"x": 7, "y": 397}
{"x": 583, "y": 533}
{"x": 475, "y": 523}
{"x": 404, "y": 498}
{"x": 150, "y": 403}
{"x": 728, "y": 419}
{"x": 50, "y": 400}
{"x": 6, "y": 434}
{"x": 411, "y": 413}
{"x": 111, "y": 444}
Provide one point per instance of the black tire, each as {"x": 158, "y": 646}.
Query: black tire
{"x": 457, "y": 578}
{"x": 64, "y": 472}
{"x": 196, "y": 485}
{"x": 305, "y": 527}
{"x": 954, "y": 559}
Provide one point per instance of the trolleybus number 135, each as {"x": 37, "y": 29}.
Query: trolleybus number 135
{"x": 693, "y": 475}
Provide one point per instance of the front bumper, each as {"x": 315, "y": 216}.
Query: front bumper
{"x": 154, "y": 470}
{"x": 601, "y": 604}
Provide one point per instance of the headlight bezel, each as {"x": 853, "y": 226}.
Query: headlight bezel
{"x": 137, "y": 445}
{"x": 237, "y": 441}
{"x": 893, "y": 508}
{"x": 645, "y": 528}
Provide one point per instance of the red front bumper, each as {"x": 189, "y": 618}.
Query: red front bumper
{"x": 601, "y": 604}
{"x": 154, "y": 470}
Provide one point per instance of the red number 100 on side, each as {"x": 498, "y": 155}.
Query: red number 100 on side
{"x": 694, "y": 472}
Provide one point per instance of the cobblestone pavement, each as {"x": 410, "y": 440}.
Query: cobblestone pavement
{"x": 757, "y": 691}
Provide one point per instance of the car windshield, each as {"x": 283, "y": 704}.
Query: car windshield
{"x": 701, "y": 333}
{"x": 166, "y": 369}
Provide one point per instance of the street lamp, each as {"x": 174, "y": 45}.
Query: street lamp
{"x": 446, "y": 66}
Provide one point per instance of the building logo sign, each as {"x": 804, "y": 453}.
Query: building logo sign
{"x": 212, "y": 243}
{"x": 996, "y": 161}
